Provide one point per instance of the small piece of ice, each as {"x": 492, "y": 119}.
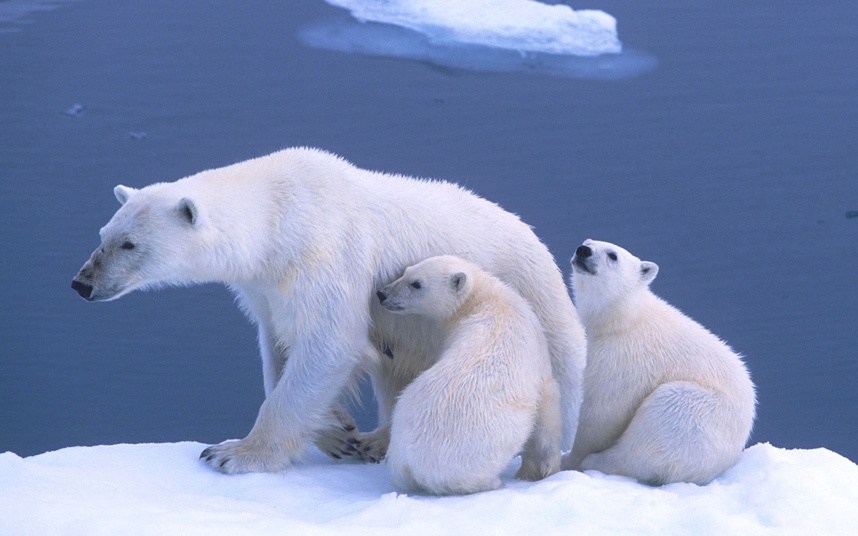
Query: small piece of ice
{"x": 137, "y": 135}
{"x": 74, "y": 110}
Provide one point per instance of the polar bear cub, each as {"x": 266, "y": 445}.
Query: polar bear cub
{"x": 491, "y": 392}
{"x": 665, "y": 400}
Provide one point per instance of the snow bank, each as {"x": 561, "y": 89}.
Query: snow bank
{"x": 521, "y": 25}
{"x": 164, "y": 489}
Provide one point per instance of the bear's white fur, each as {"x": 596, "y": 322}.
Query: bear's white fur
{"x": 304, "y": 238}
{"x": 665, "y": 400}
{"x": 460, "y": 423}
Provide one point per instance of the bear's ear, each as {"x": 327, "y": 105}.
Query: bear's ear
{"x": 188, "y": 210}
{"x": 457, "y": 281}
{"x": 648, "y": 271}
{"x": 122, "y": 193}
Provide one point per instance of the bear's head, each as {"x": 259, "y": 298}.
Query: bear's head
{"x": 435, "y": 287}
{"x": 604, "y": 274}
{"x": 152, "y": 239}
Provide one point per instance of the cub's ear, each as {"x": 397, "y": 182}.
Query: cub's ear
{"x": 457, "y": 281}
{"x": 122, "y": 193}
{"x": 648, "y": 271}
{"x": 188, "y": 211}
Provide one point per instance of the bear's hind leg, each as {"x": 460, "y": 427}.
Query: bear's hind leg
{"x": 541, "y": 455}
{"x": 340, "y": 440}
{"x": 673, "y": 437}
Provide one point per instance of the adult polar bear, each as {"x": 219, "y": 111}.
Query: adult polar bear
{"x": 304, "y": 238}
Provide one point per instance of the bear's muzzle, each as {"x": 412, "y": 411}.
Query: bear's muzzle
{"x": 84, "y": 289}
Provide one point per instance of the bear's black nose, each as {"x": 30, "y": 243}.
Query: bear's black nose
{"x": 381, "y": 296}
{"x": 83, "y": 289}
{"x": 583, "y": 252}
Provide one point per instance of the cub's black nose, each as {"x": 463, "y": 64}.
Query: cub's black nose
{"x": 381, "y": 296}
{"x": 82, "y": 288}
{"x": 583, "y": 252}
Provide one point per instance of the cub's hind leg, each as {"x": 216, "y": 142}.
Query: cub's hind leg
{"x": 674, "y": 436}
{"x": 541, "y": 455}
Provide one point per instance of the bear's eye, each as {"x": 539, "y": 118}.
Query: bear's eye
{"x": 612, "y": 255}
{"x": 127, "y": 245}
{"x": 416, "y": 285}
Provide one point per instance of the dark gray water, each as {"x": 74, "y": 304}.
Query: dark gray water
{"x": 732, "y": 163}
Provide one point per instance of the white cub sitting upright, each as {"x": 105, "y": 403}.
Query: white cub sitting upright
{"x": 665, "y": 400}
{"x": 490, "y": 393}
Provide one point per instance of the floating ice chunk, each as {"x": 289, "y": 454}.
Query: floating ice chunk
{"x": 345, "y": 34}
{"x": 137, "y": 135}
{"x": 15, "y": 13}
{"x": 520, "y": 25}
{"x": 74, "y": 110}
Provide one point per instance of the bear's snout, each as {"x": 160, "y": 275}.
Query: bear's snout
{"x": 580, "y": 260}
{"x": 391, "y": 305}
{"x": 84, "y": 289}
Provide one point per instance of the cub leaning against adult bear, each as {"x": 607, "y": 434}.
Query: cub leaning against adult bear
{"x": 490, "y": 392}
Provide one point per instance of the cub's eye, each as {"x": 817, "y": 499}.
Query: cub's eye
{"x": 416, "y": 285}
{"x": 127, "y": 245}
{"x": 612, "y": 255}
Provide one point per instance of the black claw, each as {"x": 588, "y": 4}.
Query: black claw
{"x": 209, "y": 458}
{"x": 335, "y": 455}
{"x": 223, "y": 462}
{"x": 205, "y": 453}
{"x": 353, "y": 441}
{"x": 349, "y": 427}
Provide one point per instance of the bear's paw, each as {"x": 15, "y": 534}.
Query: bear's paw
{"x": 242, "y": 456}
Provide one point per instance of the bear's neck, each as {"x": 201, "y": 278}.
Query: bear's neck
{"x": 481, "y": 300}
{"x": 600, "y": 317}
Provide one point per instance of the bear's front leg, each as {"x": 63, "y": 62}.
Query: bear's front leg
{"x": 266, "y": 449}
{"x": 294, "y": 411}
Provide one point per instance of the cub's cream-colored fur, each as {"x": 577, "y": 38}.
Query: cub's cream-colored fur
{"x": 489, "y": 395}
{"x": 665, "y": 400}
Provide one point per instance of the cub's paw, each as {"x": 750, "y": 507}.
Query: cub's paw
{"x": 241, "y": 456}
{"x": 535, "y": 468}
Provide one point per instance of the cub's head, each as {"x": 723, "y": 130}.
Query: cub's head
{"x": 435, "y": 287}
{"x": 152, "y": 239}
{"x": 603, "y": 273}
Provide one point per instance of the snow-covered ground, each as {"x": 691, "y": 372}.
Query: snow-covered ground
{"x": 164, "y": 489}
